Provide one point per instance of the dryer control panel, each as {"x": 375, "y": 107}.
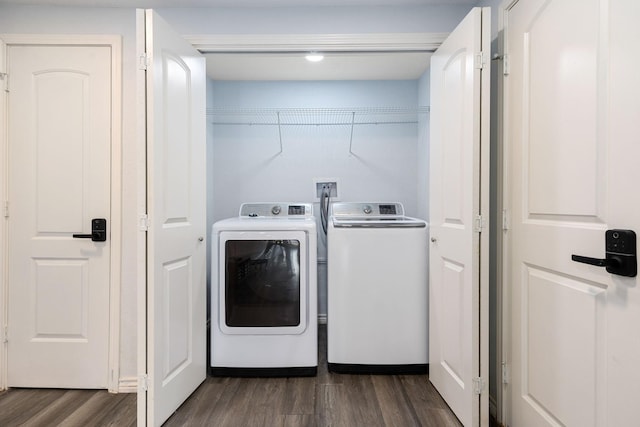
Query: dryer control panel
{"x": 276, "y": 210}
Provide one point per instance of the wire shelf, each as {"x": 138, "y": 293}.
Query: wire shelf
{"x": 314, "y": 116}
{"x": 283, "y": 117}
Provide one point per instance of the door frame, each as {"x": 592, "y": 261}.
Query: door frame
{"x": 271, "y": 43}
{"x": 397, "y": 42}
{"x": 115, "y": 44}
{"x": 504, "y": 241}
{"x": 501, "y": 406}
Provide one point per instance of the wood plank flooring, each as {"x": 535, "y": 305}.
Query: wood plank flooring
{"x": 69, "y": 408}
{"x": 324, "y": 400}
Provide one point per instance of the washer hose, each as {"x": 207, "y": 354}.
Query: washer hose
{"x": 325, "y": 200}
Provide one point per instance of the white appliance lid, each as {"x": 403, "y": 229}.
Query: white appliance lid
{"x": 372, "y": 215}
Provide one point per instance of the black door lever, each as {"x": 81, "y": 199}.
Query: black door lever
{"x": 98, "y": 231}
{"x": 620, "y": 257}
{"x": 598, "y": 262}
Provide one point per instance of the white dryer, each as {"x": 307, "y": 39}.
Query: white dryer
{"x": 264, "y": 292}
{"x": 376, "y": 289}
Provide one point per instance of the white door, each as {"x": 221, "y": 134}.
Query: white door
{"x": 176, "y": 293}
{"x": 574, "y": 141}
{"x": 458, "y": 275}
{"x": 59, "y": 136}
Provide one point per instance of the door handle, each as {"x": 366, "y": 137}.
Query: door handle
{"x": 620, "y": 256}
{"x": 598, "y": 262}
{"x": 98, "y": 231}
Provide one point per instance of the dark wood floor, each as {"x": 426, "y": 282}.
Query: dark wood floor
{"x": 52, "y": 407}
{"x": 338, "y": 400}
{"x": 324, "y": 400}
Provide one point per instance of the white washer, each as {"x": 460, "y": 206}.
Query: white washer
{"x": 264, "y": 318}
{"x": 377, "y": 289}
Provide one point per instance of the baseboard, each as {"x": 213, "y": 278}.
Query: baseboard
{"x": 128, "y": 385}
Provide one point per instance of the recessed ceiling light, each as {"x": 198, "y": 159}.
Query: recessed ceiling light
{"x": 314, "y": 57}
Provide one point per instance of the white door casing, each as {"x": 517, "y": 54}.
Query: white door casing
{"x": 63, "y": 104}
{"x": 571, "y": 105}
{"x": 176, "y": 289}
{"x": 4, "y": 225}
{"x": 459, "y": 156}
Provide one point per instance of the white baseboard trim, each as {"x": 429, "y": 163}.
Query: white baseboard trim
{"x": 128, "y": 385}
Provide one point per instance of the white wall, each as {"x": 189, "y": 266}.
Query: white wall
{"x": 424, "y": 99}
{"x": 248, "y": 167}
{"x": 316, "y": 20}
{"x": 209, "y": 186}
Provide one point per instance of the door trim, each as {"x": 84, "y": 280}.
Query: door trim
{"x": 501, "y": 234}
{"x": 371, "y": 42}
{"x": 505, "y": 245}
{"x": 115, "y": 44}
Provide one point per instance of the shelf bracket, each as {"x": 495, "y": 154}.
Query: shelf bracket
{"x": 353, "y": 120}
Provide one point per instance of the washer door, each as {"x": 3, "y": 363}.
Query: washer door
{"x": 263, "y": 282}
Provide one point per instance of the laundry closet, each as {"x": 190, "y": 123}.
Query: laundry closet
{"x": 274, "y": 140}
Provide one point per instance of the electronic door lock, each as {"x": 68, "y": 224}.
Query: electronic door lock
{"x": 98, "y": 231}
{"x": 620, "y": 256}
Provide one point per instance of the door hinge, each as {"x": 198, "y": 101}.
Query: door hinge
{"x": 506, "y": 375}
{"x": 5, "y": 78}
{"x": 506, "y": 221}
{"x": 5, "y": 338}
{"x": 478, "y": 224}
{"x": 143, "y": 382}
{"x": 144, "y": 61}
{"x": 478, "y": 385}
{"x": 143, "y": 222}
{"x": 479, "y": 60}
{"x": 6, "y": 209}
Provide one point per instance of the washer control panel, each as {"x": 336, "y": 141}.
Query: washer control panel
{"x": 349, "y": 209}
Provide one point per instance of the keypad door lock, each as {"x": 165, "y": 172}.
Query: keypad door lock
{"x": 620, "y": 256}
{"x": 98, "y": 231}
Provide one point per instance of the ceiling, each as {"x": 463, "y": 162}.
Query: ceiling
{"x": 335, "y": 66}
{"x": 234, "y": 3}
{"x": 289, "y": 66}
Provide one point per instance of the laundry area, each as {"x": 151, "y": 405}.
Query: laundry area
{"x": 283, "y": 138}
{"x": 287, "y": 141}
{"x": 373, "y": 160}
{"x": 301, "y": 147}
